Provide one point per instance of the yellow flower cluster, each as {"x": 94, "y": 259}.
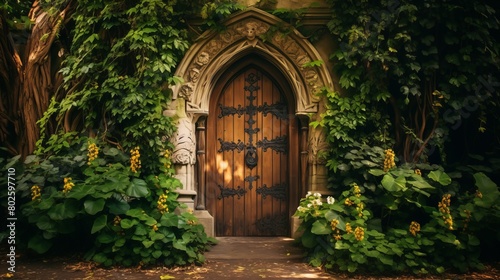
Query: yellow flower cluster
{"x": 337, "y": 236}
{"x": 356, "y": 190}
{"x": 68, "y": 185}
{"x": 135, "y": 162}
{"x": 414, "y": 228}
{"x": 117, "y": 220}
{"x": 360, "y": 208}
{"x": 418, "y": 172}
{"x": 444, "y": 208}
{"x": 348, "y": 202}
{"x": 167, "y": 156}
{"x": 35, "y": 192}
{"x": 92, "y": 153}
{"x": 334, "y": 223}
{"x": 359, "y": 233}
{"x": 348, "y": 228}
{"x": 155, "y": 227}
{"x": 162, "y": 203}
{"x": 191, "y": 222}
{"x": 389, "y": 160}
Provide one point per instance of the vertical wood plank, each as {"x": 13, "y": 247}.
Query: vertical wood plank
{"x": 238, "y": 167}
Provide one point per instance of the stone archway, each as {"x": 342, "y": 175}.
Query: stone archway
{"x": 201, "y": 69}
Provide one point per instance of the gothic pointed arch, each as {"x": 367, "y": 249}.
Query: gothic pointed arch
{"x": 215, "y": 51}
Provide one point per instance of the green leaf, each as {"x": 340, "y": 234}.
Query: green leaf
{"x": 393, "y": 185}
{"x": 387, "y": 260}
{"x": 320, "y": 227}
{"x": 376, "y": 172}
{"x": 46, "y": 203}
{"x": 156, "y": 254}
{"x": 135, "y": 213}
{"x": 309, "y": 239}
{"x": 179, "y": 245}
{"x": 119, "y": 243}
{"x": 169, "y": 220}
{"x": 147, "y": 243}
{"x": 440, "y": 177}
{"x": 66, "y": 210}
{"x": 137, "y": 188}
{"x": 488, "y": 189}
{"x": 99, "y": 223}
{"x": 118, "y": 207}
{"x": 80, "y": 191}
{"x": 157, "y": 236}
{"x": 359, "y": 258}
{"x": 369, "y": 163}
{"x": 127, "y": 223}
{"x": 106, "y": 238}
{"x": 45, "y": 223}
{"x": 100, "y": 258}
{"x": 420, "y": 184}
{"x": 39, "y": 244}
{"x": 93, "y": 206}
{"x": 339, "y": 245}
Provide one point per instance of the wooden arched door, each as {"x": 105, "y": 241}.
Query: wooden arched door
{"x": 251, "y": 175}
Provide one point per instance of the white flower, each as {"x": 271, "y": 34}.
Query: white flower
{"x": 317, "y": 195}
{"x": 302, "y": 209}
{"x": 309, "y": 205}
{"x": 308, "y": 194}
{"x": 316, "y": 202}
{"x": 330, "y": 200}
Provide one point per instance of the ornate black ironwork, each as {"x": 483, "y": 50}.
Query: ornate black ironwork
{"x": 273, "y": 225}
{"x": 250, "y": 180}
{"x": 230, "y": 146}
{"x": 276, "y": 191}
{"x": 279, "y": 110}
{"x": 226, "y": 111}
{"x": 227, "y": 192}
{"x": 278, "y": 144}
{"x": 251, "y": 157}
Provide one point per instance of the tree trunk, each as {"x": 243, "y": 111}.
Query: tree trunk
{"x": 10, "y": 67}
{"x": 35, "y": 80}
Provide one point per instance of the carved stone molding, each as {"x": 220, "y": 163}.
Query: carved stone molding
{"x": 215, "y": 51}
{"x": 317, "y": 142}
{"x": 184, "y": 139}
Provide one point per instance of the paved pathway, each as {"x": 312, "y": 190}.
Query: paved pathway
{"x": 232, "y": 258}
{"x": 260, "y": 258}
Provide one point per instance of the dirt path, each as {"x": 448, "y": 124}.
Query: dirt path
{"x": 232, "y": 258}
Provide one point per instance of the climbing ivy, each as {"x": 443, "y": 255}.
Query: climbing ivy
{"x": 408, "y": 69}
{"x": 118, "y": 72}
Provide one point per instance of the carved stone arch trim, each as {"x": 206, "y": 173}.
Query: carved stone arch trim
{"x": 213, "y": 52}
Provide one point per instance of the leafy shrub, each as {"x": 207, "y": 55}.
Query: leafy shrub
{"x": 104, "y": 202}
{"x": 399, "y": 219}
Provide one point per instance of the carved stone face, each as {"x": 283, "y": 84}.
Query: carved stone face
{"x": 186, "y": 91}
{"x": 203, "y": 58}
{"x": 251, "y": 30}
{"x": 194, "y": 74}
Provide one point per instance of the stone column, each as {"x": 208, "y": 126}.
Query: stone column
{"x": 184, "y": 153}
{"x": 318, "y": 172}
